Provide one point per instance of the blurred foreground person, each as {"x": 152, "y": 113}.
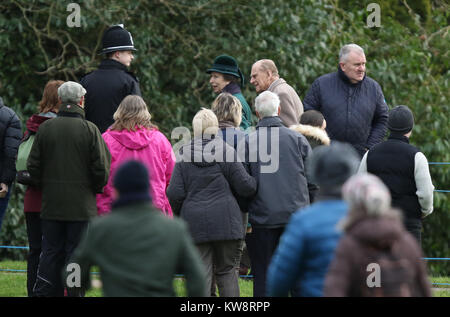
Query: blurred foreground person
{"x": 307, "y": 245}
{"x": 137, "y": 249}
{"x": 376, "y": 257}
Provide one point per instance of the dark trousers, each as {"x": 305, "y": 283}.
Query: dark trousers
{"x": 414, "y": 227}
{"x": 261, "y": 244}
{"x": 4, "y": 204}
{"x": 221, "y": 260}
{"x": 34, "y": 233}
{"x": 59, "y": 240}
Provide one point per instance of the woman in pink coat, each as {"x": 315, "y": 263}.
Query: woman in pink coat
{"x": 134, "y": 136}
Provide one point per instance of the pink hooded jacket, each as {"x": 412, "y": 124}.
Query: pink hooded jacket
{"x": 148, "y": 146}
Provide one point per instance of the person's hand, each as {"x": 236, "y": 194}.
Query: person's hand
{"x": 3, "y": 190}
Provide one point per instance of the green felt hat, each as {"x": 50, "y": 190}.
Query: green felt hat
{"x": 225, "y": 64}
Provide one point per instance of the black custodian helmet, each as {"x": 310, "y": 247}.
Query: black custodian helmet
{"x": 116, "y": 38}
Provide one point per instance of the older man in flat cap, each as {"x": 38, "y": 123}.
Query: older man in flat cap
{"x": 70, "y": 162}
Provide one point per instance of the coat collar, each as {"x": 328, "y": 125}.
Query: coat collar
{"x": 398, "y": 136}
{"x": 312, "y": 132}
{"x": 270, "y": 122}
{"x": 226, "y": 124}
{"x": 71, "y": 108}
{"x": 346, "y": 80}
{"x": 277, "y": 82}
{"x": 232, "y": 88}
{"x": 112, "y": 64}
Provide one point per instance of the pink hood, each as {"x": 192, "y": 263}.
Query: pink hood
{"x": 148, "y": 146}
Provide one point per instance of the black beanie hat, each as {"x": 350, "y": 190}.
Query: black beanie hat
{"x": 401, "y": 119}
{"x": 330, "y": 166}
{"x": 132, "y": 177}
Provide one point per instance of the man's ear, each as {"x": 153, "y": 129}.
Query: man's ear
{"x": 279, "y": 110}
{"x": 81, "y": 102}
{"x": 257, "y": 114}
{"x": 115, "y": 55}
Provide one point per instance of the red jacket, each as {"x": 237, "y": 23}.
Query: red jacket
{"x": 33, "y": 195}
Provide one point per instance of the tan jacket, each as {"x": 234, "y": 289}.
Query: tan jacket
{"x": 291, "y": 105}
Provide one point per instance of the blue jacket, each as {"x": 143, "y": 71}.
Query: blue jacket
{"x": 306, "y": 249}
{"x": 355, "y": 113}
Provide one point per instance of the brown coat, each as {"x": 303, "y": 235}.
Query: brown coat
{"x": 349, "y": 272}
{"x": 291, "y": 105}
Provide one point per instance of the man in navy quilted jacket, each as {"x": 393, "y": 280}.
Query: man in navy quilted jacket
{"x": 351, "y": 102}
{"x": 10, "y": 136}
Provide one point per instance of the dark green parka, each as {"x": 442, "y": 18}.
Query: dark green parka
{"x": 70, "y": 162}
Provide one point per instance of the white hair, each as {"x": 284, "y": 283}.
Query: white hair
{"x": 205, "y": 122}
{"x": 267, "y": 104}
{"x": 346, "y": 49}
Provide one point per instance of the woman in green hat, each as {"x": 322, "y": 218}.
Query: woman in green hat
{"x": 225, "y": 75}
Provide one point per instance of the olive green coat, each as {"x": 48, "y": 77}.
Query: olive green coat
{"x": 70, "y": 162}
{"x": 139, "y": 251}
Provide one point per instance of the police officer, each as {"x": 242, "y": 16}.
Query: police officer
{"x": 111, "y": 82}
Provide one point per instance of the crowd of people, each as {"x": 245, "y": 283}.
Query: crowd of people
{"x": 307, "y": 195}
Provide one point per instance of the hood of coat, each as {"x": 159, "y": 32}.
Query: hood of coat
{"x": 35, "y": 121}
{"x": 134, "y": 140}
{"x": 312, "y": 132}
{"x": 204, "y": 152}
{"x": 377, "y": 232}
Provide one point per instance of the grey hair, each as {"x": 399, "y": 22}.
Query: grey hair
{"x": 267, "y": 104}
{"x": 367, "y": 196}
{"x": 346, "y": 49}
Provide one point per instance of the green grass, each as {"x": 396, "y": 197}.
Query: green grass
{"x": 13, "y": 284}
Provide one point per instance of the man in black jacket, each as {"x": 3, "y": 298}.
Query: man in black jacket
{"x": 352, "y": 103}
{"x": 404, "y": 170}
{"x": 10, "y": 136}
{"x": 111, "y": 82}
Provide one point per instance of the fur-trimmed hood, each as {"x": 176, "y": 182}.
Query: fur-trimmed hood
{"x": 312, "y": 132}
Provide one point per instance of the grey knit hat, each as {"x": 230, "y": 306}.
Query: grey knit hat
{"x": 330, "y": 166}
{"x": 400, "y": 119}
